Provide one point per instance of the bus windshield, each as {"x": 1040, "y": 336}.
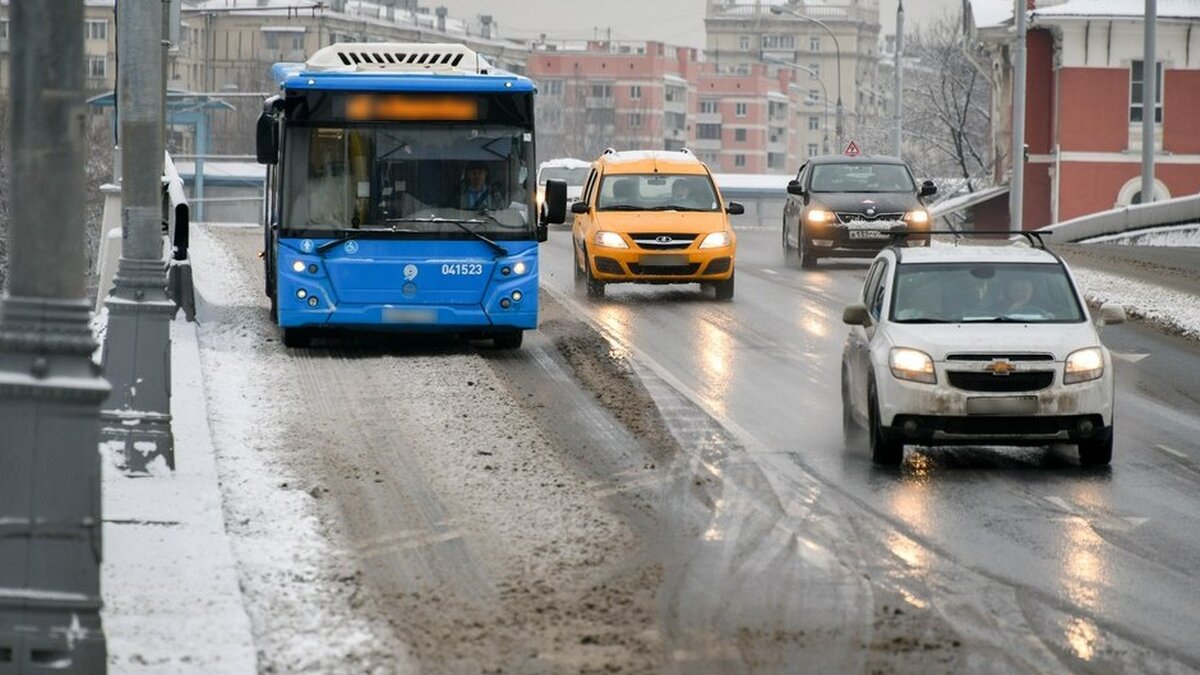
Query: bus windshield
{"x": 425, "y": 179}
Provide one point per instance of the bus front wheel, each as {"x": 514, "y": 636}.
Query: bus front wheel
{"x": 296, "y": 338}
{"x": 508, "y": 339}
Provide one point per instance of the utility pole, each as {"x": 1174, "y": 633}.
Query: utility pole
{"x": 50, "y": 390}
{"x": 1016, "y": 186}
{"x": 1149, "y": 99}
{"x": 137, "y": 349}
{"x": 898, "y": 103}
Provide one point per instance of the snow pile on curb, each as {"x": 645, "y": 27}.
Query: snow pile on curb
{"x": 1175, "y": 310}
{"x": 1175, "y": 236}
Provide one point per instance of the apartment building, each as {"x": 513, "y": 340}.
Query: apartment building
{"x": 100, "y": 45}
{"x": 810, "y": 39}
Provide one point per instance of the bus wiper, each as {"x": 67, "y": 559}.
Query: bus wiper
{"x": 344, "y": 235}
{"x": 500, "y": 250}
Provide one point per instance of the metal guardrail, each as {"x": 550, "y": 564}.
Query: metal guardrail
{"x": 176, "y": 214}
{"x": 1128, "y": 218}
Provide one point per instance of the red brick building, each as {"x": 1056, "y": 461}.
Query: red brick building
{"x": 1083, "y": 115}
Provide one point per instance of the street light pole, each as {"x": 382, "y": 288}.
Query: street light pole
{"x": 898, "y": 92}
{"x": 50, "y": 390}
{"x": 824, "y": 95}
{"x": 1150, "y": 88}
{"x": 841, "y": 127}
{"x": 1016, "y": 194}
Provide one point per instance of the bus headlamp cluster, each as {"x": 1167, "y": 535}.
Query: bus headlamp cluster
{"x": 518, "y": 269}
{"x": 516, "y": 297}
{"x": 300, "y": 266}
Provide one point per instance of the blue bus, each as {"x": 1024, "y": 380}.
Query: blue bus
{"x": 401, "y": 194}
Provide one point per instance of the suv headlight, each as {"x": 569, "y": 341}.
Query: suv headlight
{"x": 912, "y": 365}
{"x": 917, "y": 217}
{"x": 819, "y": 216}
{"x": 715, "y": 240}
{"x": 610, "y": 240}
{"x": 1084, "y": 365}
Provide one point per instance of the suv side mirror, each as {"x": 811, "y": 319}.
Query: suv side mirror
{"x": 734, "y": 209}
{"x": 1111, "y": 314}
{"x": 927, "y": 189}
{"x": 556, "y": 202}
{"x": 579, "y": 207}
{"x": 794, "y": 187}
{"x": 267, "y": 138}
{"x": 856, "y": 315}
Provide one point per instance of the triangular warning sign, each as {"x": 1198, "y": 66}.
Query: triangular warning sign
{"x": 852, "y": 149}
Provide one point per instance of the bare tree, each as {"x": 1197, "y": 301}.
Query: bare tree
{"x": 947, "y": 105}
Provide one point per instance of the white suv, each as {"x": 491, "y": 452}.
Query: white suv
{"x": 979, "y": 344}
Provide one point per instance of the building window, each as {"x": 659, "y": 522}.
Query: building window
{"x": 815, "y": 69}
{"x": 97, "y": 66}
{"x": 1136, "y": 82}
{"x": 814, "y": 123}
{"x": 739, "y": 109}
{"x": 672, "y": 94}
{"x": 635, "y": 91}
{"x": 779, "y": 41}
{"x": 601, "y": 91}
{"x": 739, "y": 135}
{"x": 95, "y": 30}
{"x": 814, "y": 96}
{"x": 814, "y": 44}
{"x": 708, "y": 107}
{"x": 739, "y": 160}
{"x": 708, "y": 132}
{"x": 553, "y": 87}
{"x": 3, "y": 29}
{"x": 635, "y": 120}
{"x": 812, "y": 149}
{"x": 744, "y": 42}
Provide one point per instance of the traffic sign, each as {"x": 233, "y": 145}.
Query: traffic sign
{"x": 852, "y": 149}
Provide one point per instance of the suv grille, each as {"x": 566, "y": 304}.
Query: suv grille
{"x": 1029, "y": 381}
{"x": 1003, "y": 357}
{"x": 665, "y": 270}
{"x": 662, "y": 241}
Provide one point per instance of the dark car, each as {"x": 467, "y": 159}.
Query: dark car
{"x": 843, "y": 206}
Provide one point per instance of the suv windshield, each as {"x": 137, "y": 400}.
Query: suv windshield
{"x": 572, "y": 176}
{"x": 984, "y": 293}
{"x": 657, "y": 192}
{"x": 861, "y": 177}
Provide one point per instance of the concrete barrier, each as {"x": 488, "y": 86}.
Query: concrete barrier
{"x": 1128, "y": 218}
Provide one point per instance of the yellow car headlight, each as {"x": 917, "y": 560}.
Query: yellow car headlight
{"x": 1084, "y": 365}
{"x": 716, "y": 240}
{"x": 609, "y": 240}
{"x": 912, "y": 365}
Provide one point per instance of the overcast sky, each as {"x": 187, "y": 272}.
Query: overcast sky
{"x": 671, "y": 21}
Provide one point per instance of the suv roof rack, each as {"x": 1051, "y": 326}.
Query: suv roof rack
{"x": 1034, "y": 237}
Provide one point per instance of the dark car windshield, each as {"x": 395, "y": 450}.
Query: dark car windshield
{"x": 984, "y": 293}
{"x": 861, "y": 177}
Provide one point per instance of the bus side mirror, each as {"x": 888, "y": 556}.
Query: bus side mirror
{"x": 928, "y": 188}
{"x": 267, "y": 136}
{"x": 795, "y": 188}
{"x": 556, "y": 202}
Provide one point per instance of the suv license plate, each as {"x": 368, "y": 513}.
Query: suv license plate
{"x": 1002, "y": 405}
{"x": 868, "y": 234}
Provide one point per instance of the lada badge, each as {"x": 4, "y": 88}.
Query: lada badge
{"x": 664, "y": 239}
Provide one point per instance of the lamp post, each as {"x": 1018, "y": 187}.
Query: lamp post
{"x": 841, "y": 128}
{"x": 824, "y": 95}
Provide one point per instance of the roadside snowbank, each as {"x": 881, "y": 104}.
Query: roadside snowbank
{"x": 1175, "y": 310}
{"x": 1175, "y": 236}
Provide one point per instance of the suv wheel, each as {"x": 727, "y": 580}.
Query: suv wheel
{"x": 808, "y": 256}
{"x": 1096, "y": 453}
{"x": 883, "y": 451}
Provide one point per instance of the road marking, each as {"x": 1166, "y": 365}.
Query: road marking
{"x": 1131, "y": 358}
{"x": 766, "y": 271}
{"x": 1172, "y": 451}
{"x": 1060, "y": 503}
{"x": 1135, "y": 521}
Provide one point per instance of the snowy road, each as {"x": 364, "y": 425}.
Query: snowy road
{"x": 677, "y": 497}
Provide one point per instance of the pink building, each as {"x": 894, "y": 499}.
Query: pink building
{"x": 648, "y": 95}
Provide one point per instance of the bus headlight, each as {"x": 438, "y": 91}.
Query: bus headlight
{"x": 912, "y": 365}
{"x": 517, "y": 295}
{"x": 302, "y": 294}
{"x": 1084, "y": 365}
{"x": 716, "y": 240}
{"x": 298, "y": 266}
{"x": 610, "y": 240}
{"x": 519, "y": 268}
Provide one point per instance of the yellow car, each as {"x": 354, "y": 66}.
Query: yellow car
{"x": 653, "y": 217}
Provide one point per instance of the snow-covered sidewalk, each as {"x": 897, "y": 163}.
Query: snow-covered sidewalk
{"x": 172, "y": 601}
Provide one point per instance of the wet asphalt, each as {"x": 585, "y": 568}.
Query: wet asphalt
{"x": 1021, "y": 548}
